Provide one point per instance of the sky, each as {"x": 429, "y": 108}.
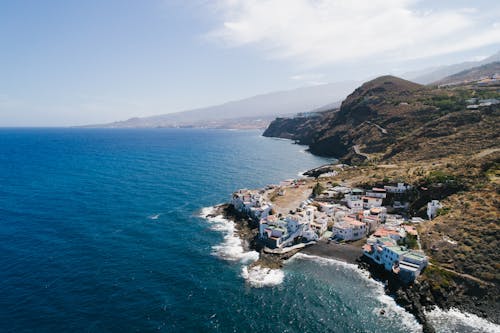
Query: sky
{"x": 73, "y": 62}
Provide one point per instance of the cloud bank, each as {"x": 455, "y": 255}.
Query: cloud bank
{"x": 326, "y": 32}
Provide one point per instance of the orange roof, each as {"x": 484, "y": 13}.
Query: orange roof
{"x": 356, "y": 223}
{"x": 381, "y": 232}
{"x": 411, "y": 230}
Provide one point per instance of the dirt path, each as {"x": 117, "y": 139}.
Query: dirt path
{"x": 358, "y": 151}
{"x": 485, "y": 152}
{"x": 465, "y": 276}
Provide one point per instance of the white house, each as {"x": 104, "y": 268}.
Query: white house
{"x": 377, "y": 193}
{"x": 369, "y": 202}
{"x": 392, "y": 255}
{"x": 354, "y": 202}
{"x": 406, "y": 263}
{"x": 320, "y": 223}
{"x": 349, "y": 229}
{"x": 399, "y": 188}
{"x": 432, "y": 208}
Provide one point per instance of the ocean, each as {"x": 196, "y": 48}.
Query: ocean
{"x": 102, "y": 230}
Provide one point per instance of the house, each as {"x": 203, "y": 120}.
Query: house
{"x": 410, "y": 230}
{"x": 372, "y": 223}
{"x": 394, "y": 219}
{"x": 408, "y": 264}
{"x": 369, "y": 202}
{"x": 392, "y": 255}
{"x": 280, "y": 232}
{"x": 374, "y": 248}
{"x": 354, "y": 202}
{"x": 320, "y": 223}
{"x": 412, "y": 264}
{"x": 432, "y": 208}
{"x": 349, "y": 229}
{"x": 326, "y": 208}
{"x": 395, "y": 233}
{"x": 379, "y": 212}
{"x": 377, "y": 193}
{"x": 398, "y": 188}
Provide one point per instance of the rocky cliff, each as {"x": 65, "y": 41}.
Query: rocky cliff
{"x": 390, "y": 118}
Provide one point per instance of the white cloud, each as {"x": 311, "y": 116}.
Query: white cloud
{"x": 324, "y": 32}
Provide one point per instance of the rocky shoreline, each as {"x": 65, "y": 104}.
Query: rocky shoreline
{"x": 247, "y": 232}
{"x": 415, "y": 298}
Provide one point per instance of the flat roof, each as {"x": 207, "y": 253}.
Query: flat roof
{"x": 415, "y": 255}
{"x": 397, "y": 249}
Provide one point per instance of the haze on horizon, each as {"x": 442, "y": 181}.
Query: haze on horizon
{"x": 74, "y": 63}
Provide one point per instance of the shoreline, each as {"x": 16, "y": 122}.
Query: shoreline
{"x": 347, "y": 253}
{"x": 418, "y": 298}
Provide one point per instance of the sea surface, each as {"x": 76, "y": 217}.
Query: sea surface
{"x": 102, "y": 230}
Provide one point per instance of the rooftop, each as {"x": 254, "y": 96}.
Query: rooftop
{"x": 400, "y": 250}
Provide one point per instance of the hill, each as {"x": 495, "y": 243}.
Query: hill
{"x": 390, "y": 119}
{"x": 430, "y": 75}
{"x": 473, "y": 74}
{"x": 257, "y": 110}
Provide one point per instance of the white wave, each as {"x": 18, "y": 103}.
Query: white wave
{"x": 454, "y": 320}
{"x": 259, "y": 277}
{"x": 301, "y": 174}
{"x": 231, "y": 247}
{"x": 154, "y": 216}
{"x": 205, "y": 211}
{"x": 387, "y": 303}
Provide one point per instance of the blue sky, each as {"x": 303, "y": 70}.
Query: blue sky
{"x": 79, "y": 62}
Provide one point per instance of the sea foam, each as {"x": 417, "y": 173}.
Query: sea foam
{"x": 453, "y": 320}
{"x": 259, "y": 277}
{"x": 232, "y": 249}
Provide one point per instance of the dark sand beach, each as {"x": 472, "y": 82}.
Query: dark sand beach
{"x": 344, "y": 252}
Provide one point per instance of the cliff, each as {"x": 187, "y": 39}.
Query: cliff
{"x": 392, "y": 119}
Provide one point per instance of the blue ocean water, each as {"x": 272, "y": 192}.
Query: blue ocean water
{"x": 99, "y": 232}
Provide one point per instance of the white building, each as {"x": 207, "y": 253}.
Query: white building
{"x": 377, "y": 193}
{"x": 369, "y": 202}
{"x": 432, "y": 208}
{"x": 406, "y": 263}
{"x": 349, "y": 229}
{"x": 399, "y": 188}
{"x": 354, "y": 202}
{"x": 281, "y": 232}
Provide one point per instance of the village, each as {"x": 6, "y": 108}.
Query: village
{"x": 289, "y": 217}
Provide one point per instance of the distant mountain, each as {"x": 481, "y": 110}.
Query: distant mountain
{"x": 258, "y": 109}
{"x": 433, "y": 74}
{"x": 473, "y": 74}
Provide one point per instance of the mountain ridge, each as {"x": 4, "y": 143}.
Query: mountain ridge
{"x": 268, "y": 105}
{"x": 433, "y": 74}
